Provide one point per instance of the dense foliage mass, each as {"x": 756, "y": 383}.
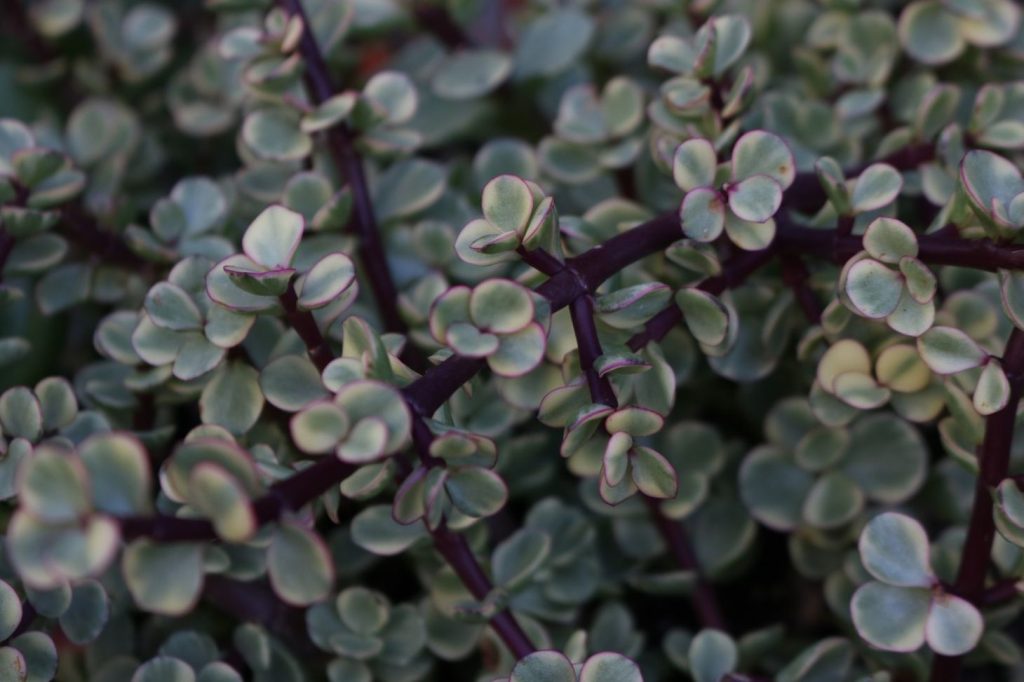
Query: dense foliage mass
{"x": 511, "y": 340}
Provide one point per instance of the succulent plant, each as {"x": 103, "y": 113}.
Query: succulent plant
{"x": 511, "y": 341}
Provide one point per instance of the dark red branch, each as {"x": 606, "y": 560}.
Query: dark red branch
{"x": 795, "y": 275}
{"x": 541, "y": 261}
{"x": 679, "y": 545}
{"x": 456, "y": 551}
{"x": 304, "y": 324}
{"x": 582, "y": 312}
{"x": 291, "y": 494}
{"x": 255, "y": 602}
{"x": 806, "y": 194}
{"x": 340, "y": 144}
{"x": 993, "y": 467}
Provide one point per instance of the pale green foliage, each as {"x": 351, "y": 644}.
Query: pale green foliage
{"x": 346, "y": 344}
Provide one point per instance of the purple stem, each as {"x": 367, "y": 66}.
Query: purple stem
{"x": 993, "y": 467}
{"x": 582, "y": 312}
{"x": 795, "y": 274}
{"x": 678, "y": 542}
{"x": 456, "y": 551}
{"x": 304, "y": 324}
{"x": 340, "y": 144}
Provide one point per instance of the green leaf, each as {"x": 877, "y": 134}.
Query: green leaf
{"x": 889, "y": 240}
{"x": 732, "y": 35}
{"x": 990, "y": 181}
{"x": 164, "y": 578}
{"x": 395, "y": 94}
{"x": 377, "y": 400}
{"x": 467, "y": 340}
{"x": 544, "y": 666}
{"x": 653, "y": 474}
{"x": 636, "y": 421}
{"x": 712, "y": 655}
{"x": 326, "y": 281}
{"x": 232, "y": 398}
{"x": 408, "y": 187}
{"x": 890, "y": 618}
{"x": 275, "y": 135}
{"x": 873, "y": 288}
{"x": 14, "y": 136}
{"x": 469, "y": 74}
{"x": 119, "y": 475}
{"x": 774, "y": 488}
{"x": 318, "y": 427}
{"x": 519, "y": 352}
{"x": 762, "y": 153}
{"x": 993, "y": 390}
{"x": 517, "y": 558}
{"x": 10, "y": 610}
{"x": 299, "y": 565}
{"x": 694, "y": 164}
{"x": 702, "y": 214}
{"x": 755, "y": 198}
{"x": 12, "y": 665}
{"x": 901, "y": 369}
{"x": 365, "y": 442}
{"x": 362, "y": 610}
{"x": 291, "y": 382}
{"x": 476, "y": 491}
{"x": 954, "y": 625}
{"x": 40, "y": 655}
{"x": 164, "y": 669}
{"x": 609, "y": 667}
{"x": 947, "y": 350}
{"x": 272, "y": 238}
{"x": 501, "y": 306}
{"x": 748, "y": 235}
{"x": 85, "y": 618}
{"x": 552, "y": 42}
{"x": 375, "y": 530}
{"x": 53, "y": 486}
{"x": 217, "y": 495}
{"x": 633, "y": 305}
{"x": 877, "y": 187}
{"x": 21, "y": 415}
{"x": 929, "y": 32}
{"x": 508, "y": 203}
{"x": 202, "y": 202}
{"x": 57, "y": 402}
{"x": 329, "y": 113}
{"x": 833, "y": 501}
{"x": 860, "y": 391}
{"x": 894, "y": 549}
{"x": 223, "y": 285}
{"x": 920, "y": 282}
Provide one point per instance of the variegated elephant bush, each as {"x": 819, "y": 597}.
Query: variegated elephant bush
{"x": 511, "y": 340}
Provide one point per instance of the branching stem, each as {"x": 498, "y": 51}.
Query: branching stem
{"x": 993, "y": 467}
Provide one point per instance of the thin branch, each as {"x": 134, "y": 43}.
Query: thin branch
{"x": 255, "y": 602}
{"x": 341, "y": 145}
{"x": 456, "y": 551}
{"x": 304, "y": 324}
{"x": 806, "y": 195}
{"x": 704, "y": 600}
{"x": 290, "y": 494}
{"x": 582, "y": 312}
{"x": 426, "y": 394}
{"x": 436, "y": 20}
{"x": 795, "y": 275}
{"x": 993, "y": 467}
{"x": 541, "y": 261}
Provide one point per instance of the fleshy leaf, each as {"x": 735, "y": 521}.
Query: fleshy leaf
{"x": 894, "y": 549}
